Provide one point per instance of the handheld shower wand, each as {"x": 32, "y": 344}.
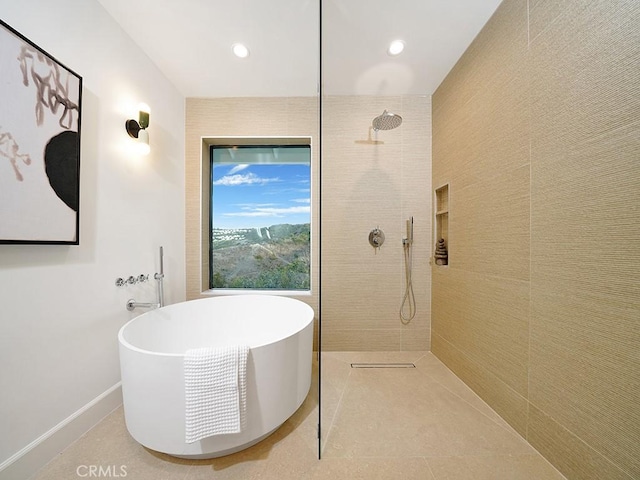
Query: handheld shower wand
{"x": 160, "y": 278}
{"x": 409, "y": 239}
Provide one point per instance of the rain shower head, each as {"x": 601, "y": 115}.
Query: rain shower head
{"x": 386, "y": 121}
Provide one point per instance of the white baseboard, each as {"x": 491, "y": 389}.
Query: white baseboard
{"x": 26, "y": 462}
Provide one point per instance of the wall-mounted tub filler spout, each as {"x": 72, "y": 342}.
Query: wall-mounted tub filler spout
{"x": 132, "y": 305}
{"x": 159, "y": 277}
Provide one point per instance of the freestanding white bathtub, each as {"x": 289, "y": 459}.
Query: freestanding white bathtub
{"x": 279, "y": 332}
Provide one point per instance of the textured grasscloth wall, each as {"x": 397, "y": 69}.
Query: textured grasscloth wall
{"x": 367, "y": 186}
{"x": 239, "y": 117}
{"x": 537, "y": 131}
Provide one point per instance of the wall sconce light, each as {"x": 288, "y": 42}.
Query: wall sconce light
{"x": 138, "y": 129}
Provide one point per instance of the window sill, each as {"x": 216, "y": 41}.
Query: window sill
{"x": 286, "y": 293}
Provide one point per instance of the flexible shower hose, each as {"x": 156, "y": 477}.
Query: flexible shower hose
{"x": 409, "y": 297}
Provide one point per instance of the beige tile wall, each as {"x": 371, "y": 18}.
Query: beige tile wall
{"x": 364, "y": 186}
{"x": 367, "y": 186}
{"x": 240, "y": 117}
{"x": 536, "y": 130}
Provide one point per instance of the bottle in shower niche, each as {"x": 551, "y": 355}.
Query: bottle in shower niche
{"x": 441, "y": 253}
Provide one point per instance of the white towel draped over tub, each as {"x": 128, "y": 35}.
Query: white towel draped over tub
{"x": 216, "y": 391}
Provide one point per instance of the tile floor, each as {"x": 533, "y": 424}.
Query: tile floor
{"x": 383, "y": 423}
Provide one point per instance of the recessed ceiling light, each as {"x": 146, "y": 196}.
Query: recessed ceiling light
{"x": 239, "y": 50}
{"x": 396, "y": 47}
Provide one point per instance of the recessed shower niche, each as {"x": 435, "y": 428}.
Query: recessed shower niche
{"x": 441, "y": 202}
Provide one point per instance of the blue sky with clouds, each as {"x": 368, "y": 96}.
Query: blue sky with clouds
{"x": 260, "y": 195}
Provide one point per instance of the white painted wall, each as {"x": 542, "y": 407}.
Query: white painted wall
{"x": 59, "y": 308}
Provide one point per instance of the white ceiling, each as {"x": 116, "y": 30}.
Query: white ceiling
{"x": 190, "y": 41}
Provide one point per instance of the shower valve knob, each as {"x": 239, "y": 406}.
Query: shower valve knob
{"x": 376, "y": 238}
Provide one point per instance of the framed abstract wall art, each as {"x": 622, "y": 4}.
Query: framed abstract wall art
{"x": 40, "y": 110}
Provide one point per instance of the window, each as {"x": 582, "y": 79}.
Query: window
{"x": 260, "y": 217}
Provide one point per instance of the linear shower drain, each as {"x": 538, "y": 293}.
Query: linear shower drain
{"x": 383, "y": 365}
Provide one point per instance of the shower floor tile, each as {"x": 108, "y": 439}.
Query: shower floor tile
{"x": 411, "y": 423}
